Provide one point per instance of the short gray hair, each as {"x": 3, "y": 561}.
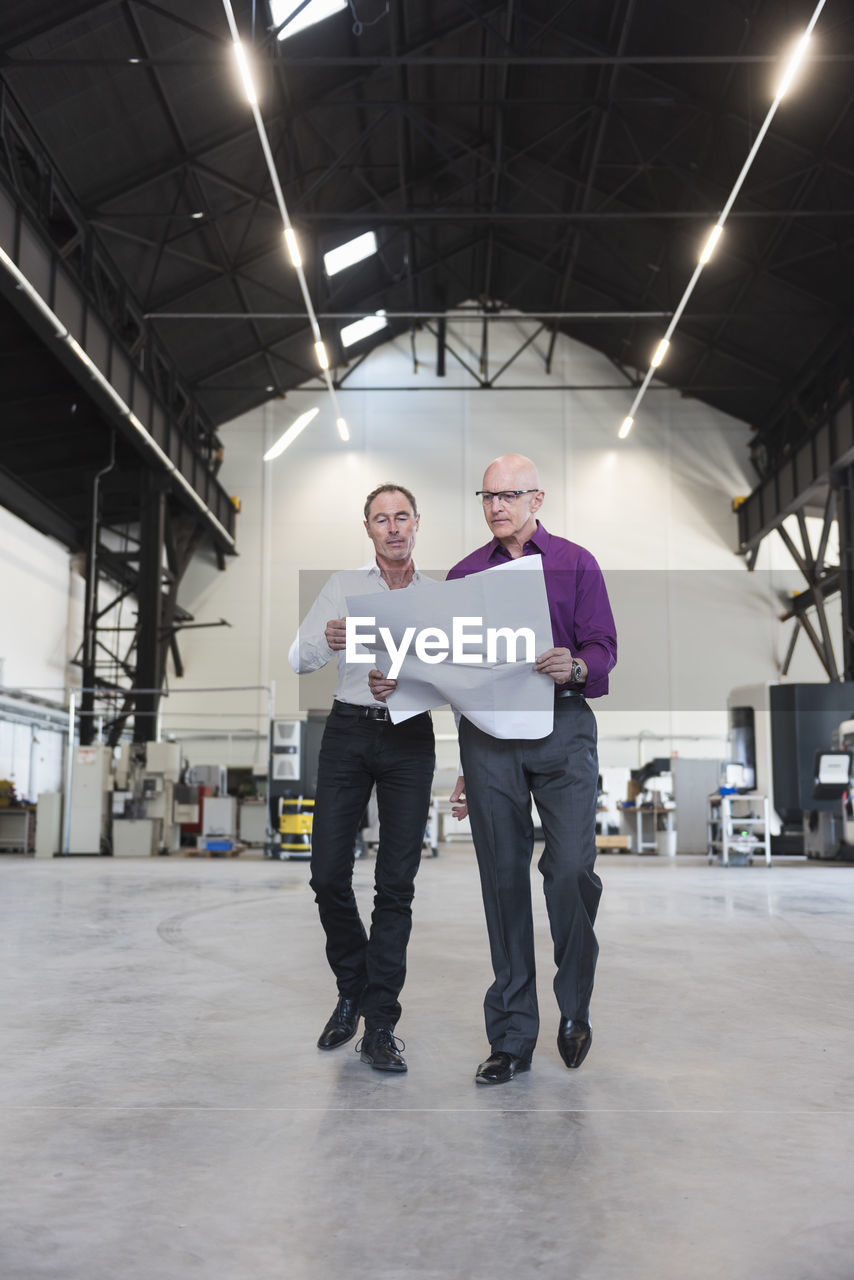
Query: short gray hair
{"x": 390, "y": 488}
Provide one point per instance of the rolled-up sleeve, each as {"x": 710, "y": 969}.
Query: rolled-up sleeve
{"x": 594, "y": 627}
{"x": 309, "y": 650}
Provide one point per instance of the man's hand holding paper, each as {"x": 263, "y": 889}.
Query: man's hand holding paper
{"x": 472, "y": 643}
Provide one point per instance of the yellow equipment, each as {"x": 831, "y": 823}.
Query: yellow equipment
{"x": 295, "y": 822}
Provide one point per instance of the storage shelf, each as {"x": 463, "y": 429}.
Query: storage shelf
{"x": 732, "y": 833}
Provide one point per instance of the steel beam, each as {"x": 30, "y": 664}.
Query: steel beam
{"x": 606, "y": 88}
{"x": 801, "y": 479}
{"x": 149, "y": 648}
{"x": 90, "y": 606}
{"x": 390, "y": 217}
{"x": 403, "y": 145}
{"x": 846, "y": 567}
{"x": 29, "y": 506}
{"x": 790, "y": 651}
{"x": 498, "y": 159}
{"x": 72, "y": 11}
{"x": 385, "y": 61}
{"x": 62, "y": 308}
{"x": 451, "y": 316}
{"x": 817, "y": 644}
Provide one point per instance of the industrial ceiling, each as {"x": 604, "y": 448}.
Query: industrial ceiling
{"x": 563, "y": 159}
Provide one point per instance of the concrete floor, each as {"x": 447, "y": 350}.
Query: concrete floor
{"x": 164, "y": 1112}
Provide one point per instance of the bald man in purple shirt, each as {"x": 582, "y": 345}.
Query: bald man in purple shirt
{"x": 561, "y": 773}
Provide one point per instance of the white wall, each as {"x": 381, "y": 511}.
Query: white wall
{"x": 655, "y": 510}
{"x": 31, "y": 757}
{"x": 40, "y": 616}
{"x": 41, "y": 603}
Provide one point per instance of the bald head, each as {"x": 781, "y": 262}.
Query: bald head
{"x": 512, "y": 518}
{"x": 511, "y": 471}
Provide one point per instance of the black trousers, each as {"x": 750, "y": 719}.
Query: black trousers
{"x": 561, "y": 773}
{"x": 356, "y": 753}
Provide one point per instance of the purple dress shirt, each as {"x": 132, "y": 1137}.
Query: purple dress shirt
{"x": 578, "y": 601}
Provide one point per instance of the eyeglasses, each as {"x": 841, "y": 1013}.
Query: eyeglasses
{"x": 506, "y": 496}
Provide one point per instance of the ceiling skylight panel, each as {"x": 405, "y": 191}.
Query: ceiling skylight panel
{"x": 315, "y": 11}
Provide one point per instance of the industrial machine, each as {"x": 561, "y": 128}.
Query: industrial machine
{"x": 845, "y": 742}
{"x": 212, "y": 776}
{"x": 131, "y": 802}
{"x": 777, "y": 732}
{"x": 292, "y": 777}
{"x": 219, "y": 818}
{"x": 144, "y": 817}
{"x": 649, "y": 810}
{"x": 296, "y": 821}
{"x": 88, "y": 800}
{"x": 824, "y": 829}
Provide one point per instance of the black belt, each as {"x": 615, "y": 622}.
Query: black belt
{"x": 570, "y": 693}
{"x": 363, "y": 713}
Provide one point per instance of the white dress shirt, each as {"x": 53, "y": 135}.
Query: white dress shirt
{"x": 310, "y": 651}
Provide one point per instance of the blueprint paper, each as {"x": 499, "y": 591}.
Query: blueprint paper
{"x": 505, "y": 699}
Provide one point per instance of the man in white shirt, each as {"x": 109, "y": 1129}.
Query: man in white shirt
{"x": 361, "y": 747}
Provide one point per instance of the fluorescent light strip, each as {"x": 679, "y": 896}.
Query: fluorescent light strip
{"x": 795, "y": 59}
{"x": 711, "y": 244}
{"x": 293, "y": 246}
{"x": 659, "y": 353}
{"x": 245, "y": 73}
{"x": 94, "y": 372}
{"x": 793, "y": 66}
{"x": 285, "y": 216}
{"x": 346, "y": 255}
{"x": 291, "y": 434}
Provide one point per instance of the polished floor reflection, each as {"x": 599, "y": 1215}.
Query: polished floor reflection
{"x": 164, "y": 1112}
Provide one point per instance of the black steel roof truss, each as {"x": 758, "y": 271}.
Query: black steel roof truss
{"x": 206, "y": 379}
{"x": 403, "y": 144}
{"x": 498, "y": 170}
{"x": 41, "y": 27}
{"x": 304, "y": 330}
{"x": 822, "y": 357}
{"x": 148, "y": 292}
{"x": 532, "y": 337}
{"x": 607, "y": 82}
{"x": 352, "y": 149}
{"x": 762, "y": 266}
{"x": 172, "y": 16}
{"x": 480, "y": 381}
{"x": 487, "y": 172}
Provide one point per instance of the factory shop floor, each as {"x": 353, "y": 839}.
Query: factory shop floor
{"x": 164, "y": 1112}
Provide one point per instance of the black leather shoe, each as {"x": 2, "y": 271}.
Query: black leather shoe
{"x": 379, "y": 1048}
{"x": 574, "y": 1040}
{"x": 500, "y": 1067}
{"x": 341, "y": 1027}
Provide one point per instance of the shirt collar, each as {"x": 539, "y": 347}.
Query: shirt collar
{"x": 373, "y": 570}
{"x": 539, "y": 540}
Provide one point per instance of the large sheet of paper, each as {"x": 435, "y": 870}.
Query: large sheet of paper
{"x": 504, "y": 698}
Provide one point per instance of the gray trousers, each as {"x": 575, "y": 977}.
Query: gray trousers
{"x": 561, "y": 773}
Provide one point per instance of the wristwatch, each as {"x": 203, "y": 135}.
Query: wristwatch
{"x": 576, "y": 672}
